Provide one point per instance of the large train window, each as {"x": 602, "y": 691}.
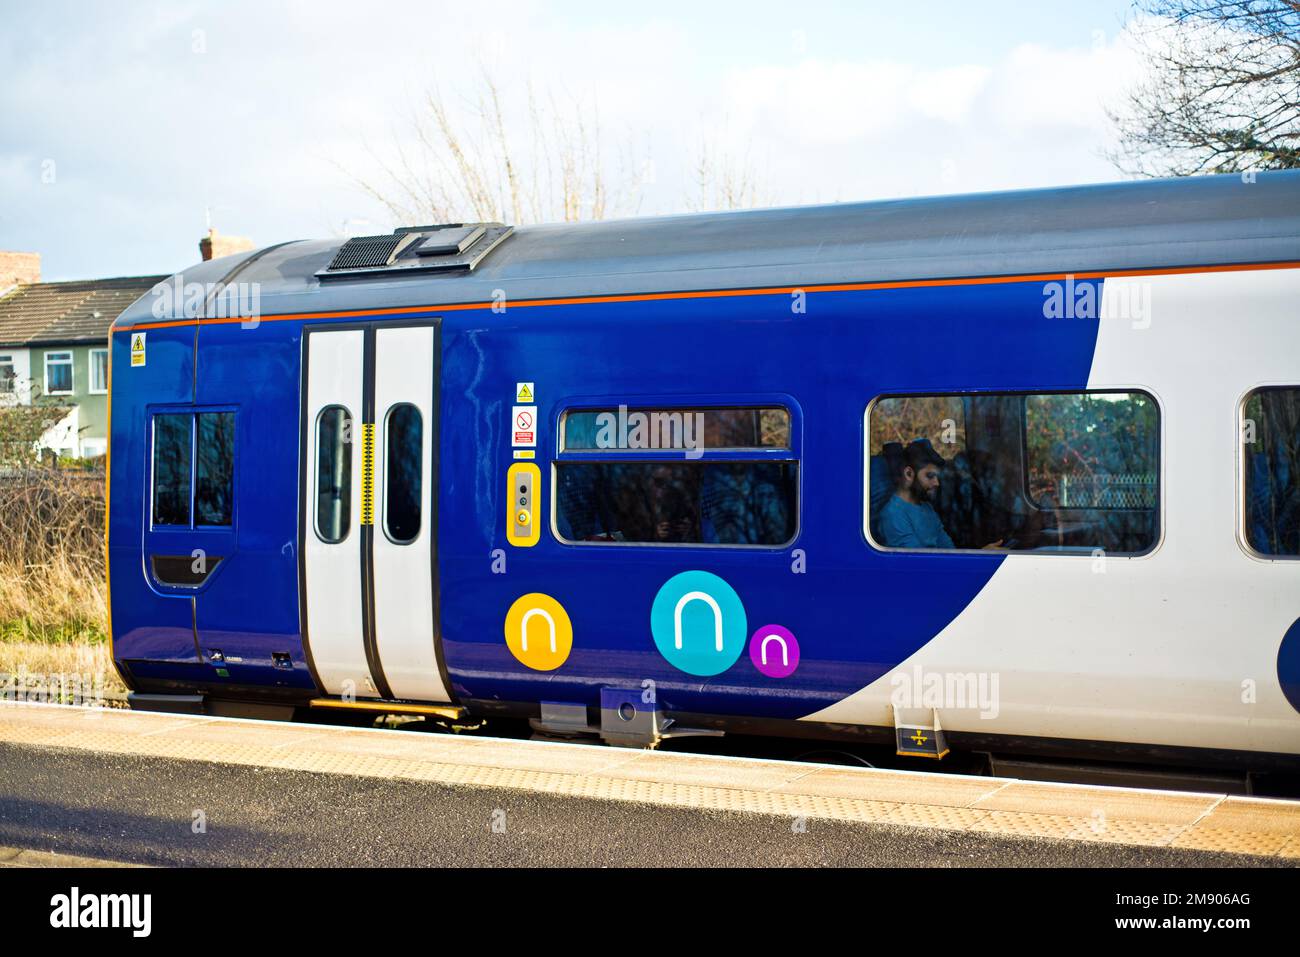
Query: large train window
{"x": 173, "y": 443}
{"x": 1048, "y": 472}
{"x": 403, "y": 468}
{"x": 193, "y": 468}
{"x": 333, "y": 474}
{"x": 692, "y": 476}
{"x": 1270, "y": 436}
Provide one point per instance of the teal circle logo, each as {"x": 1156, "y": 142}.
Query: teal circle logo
{"x": 698, "y": 623}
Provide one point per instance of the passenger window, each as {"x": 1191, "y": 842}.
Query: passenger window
{"x": 215, "y": 469}
{"x": 714, "y": 493}
{"x": 333, "y": 474}
{"x": 172, "y": 441}
{"x": 404, "y": 468}
{"x": 629, "y": 429}
{"x": 1056, "y": 472}
{"x": 1270, "y": 435}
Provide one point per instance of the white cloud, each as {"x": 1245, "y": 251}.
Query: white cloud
{"x": 879, "y": 128}
{"x": 147, "y": 133}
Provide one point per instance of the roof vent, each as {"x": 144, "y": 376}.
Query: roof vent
{"x": 417, "y": 249}
{"x": 367, "y": 252}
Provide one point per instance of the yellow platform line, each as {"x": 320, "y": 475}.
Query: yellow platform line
{"x": 948, "y": 802}
{"x": 388, "y": 707}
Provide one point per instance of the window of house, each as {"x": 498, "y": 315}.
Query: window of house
{"x": 193, "y": 469}
{"x": 333, "y": 474}
{"x": 98, "y": 371}
{"x": 715, "y": 476}
{"x": 8, "y": 374}
{"x": 1270, "y": 434}
{"x": 93, "y": 448}
{"x": 1045, "y": 472}
{"x": 403, "y": 468}
{"x": 58, "y": 373}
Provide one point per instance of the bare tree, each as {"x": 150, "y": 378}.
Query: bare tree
{"x": 1223, "y": 90}
{"x": 530, "y": 158}
{"x": 725, "y": 180}
{"x": 533, "y": 159}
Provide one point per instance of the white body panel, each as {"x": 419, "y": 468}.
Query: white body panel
{"x": 1178, "y": 647}
{"x": 333, "y": 571}
{"x": 404, "y": 626}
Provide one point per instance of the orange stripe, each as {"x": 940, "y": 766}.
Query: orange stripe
{"x": 722, "y": 294}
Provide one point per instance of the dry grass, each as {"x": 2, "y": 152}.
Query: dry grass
{"x": 39, "y": 665}
{"x": 52, "y": 602}
{"x": 53, "y": 612}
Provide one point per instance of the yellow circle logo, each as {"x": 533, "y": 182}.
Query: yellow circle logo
{"x": 538, "y": 632}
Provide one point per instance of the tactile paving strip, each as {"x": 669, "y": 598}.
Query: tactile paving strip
{"x": 862, "y": 795}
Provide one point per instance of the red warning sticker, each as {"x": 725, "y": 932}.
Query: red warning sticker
{"x": 523, "y": 426}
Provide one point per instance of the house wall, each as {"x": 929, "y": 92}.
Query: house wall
{"x": 92, "y": 407}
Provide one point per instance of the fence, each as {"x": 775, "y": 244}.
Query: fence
{"x": 52, "y": 513}
{"x": 1101, "y": 490}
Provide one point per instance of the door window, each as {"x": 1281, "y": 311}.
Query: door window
{"x": 404, "y": 464}
{"x": 333, "y": 474}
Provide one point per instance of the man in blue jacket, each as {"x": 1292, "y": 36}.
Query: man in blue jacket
{"x": 908, "y": 519}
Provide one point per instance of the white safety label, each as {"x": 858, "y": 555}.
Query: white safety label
{"x": 523, "y": 426}
{"x": 137, "y": 348}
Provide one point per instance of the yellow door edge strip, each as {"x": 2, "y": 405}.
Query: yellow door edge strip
{"x": 368, "y": 473}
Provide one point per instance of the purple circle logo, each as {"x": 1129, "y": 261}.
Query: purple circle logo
{"x": 774, "y": 651}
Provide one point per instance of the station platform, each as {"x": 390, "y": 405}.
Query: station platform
{"x": 940, "y": 802}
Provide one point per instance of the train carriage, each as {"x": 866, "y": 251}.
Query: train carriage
{"x": 637, "y": 478}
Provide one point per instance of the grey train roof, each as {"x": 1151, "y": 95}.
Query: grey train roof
{"x": 1209, "y": 220}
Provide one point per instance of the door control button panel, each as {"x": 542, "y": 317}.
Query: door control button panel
{"x": 523, "y": 486}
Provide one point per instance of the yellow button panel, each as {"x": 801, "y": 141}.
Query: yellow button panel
{"x": 523, "y": 488}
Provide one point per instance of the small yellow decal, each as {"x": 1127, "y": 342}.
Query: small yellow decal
{"x": 538, "y": 632}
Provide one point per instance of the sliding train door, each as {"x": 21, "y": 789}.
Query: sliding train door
{"x": 369, "y": 587}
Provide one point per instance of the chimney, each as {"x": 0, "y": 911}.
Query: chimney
{"x": 18, "y": 268}
{"x": 213, "y": 246}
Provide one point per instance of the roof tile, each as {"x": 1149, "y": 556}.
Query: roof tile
{"x": 67, "y": 312}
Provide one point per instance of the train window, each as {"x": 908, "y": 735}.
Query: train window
{"x": 705, "y": 503}
{"x": 1053, "y": 472}
{"x": 214, "y": 469}
{"x": 688, "y": 476}
{"x": 333, "y": 474}
{"x": 1270, "y": 434}
{"x": 172, "y": 446}
{"x": 626, "y": 429}
{"x": 404, "y": 469}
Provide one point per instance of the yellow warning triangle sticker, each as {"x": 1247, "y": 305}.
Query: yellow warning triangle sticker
{"x": 524, "y": 392}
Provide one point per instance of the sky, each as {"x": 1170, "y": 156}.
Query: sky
{"x": 126, "y": 128}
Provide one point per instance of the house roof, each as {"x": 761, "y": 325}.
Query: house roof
{"x": 67, "y": 313}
